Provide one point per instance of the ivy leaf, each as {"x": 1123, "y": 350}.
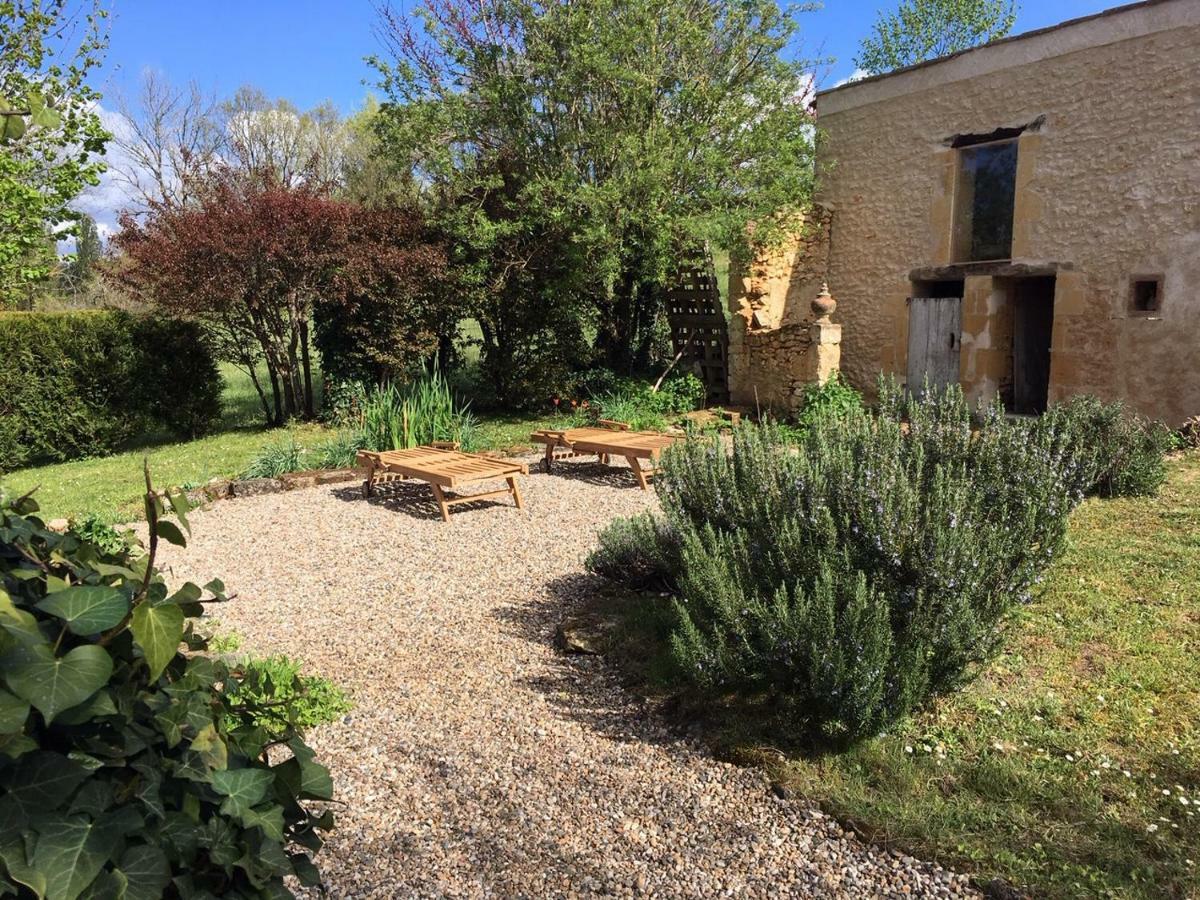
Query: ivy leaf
{"x": 158, "y": 631}
{"x": 18, "y": 622}
{"x": 180, "y": 504}
{"x": 169, "y": 531}
{"x": 13, "y": 713}
{"x": 305, "y": 778}
{"x": 242, "y": 788}
{"x": 70, "y": 852}
{"x": 186, "y": 595}
{"x": 42, "y": 781}
{"x": 87, "y": 609}
{"x": 147, "y": 870}
{"x": 52, "y": 683}
{"x": 19, "y": 870}
{"x": 210, "y": 747}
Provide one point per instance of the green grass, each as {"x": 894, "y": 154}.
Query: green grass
{"x": 110, "y": 487}
{"x": 1065, "y": 767}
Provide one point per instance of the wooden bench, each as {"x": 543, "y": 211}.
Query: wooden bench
{"x": 442, "y": 466}
{"x": 610, "y": 439}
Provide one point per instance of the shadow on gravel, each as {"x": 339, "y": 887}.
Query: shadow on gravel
{"x": 578, "y": 619}
{"x": 413, "y": 498}
{"x": 614, "y": 475}
{"x": 616, "y": 676}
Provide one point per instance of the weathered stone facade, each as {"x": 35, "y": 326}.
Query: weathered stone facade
{"x": 1105, "y": 113}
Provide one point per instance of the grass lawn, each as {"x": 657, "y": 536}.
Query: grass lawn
{"x": 111, "y": 487}
{"x": 1072, "y": 767}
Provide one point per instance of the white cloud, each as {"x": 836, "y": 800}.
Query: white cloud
{"x": 104, "y": 201}
{"x": 856, "y": 75}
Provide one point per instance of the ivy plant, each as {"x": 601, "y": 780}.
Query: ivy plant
{"x": 131, "y": 765}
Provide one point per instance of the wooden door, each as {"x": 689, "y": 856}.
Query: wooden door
{"x": 1033, "y": 325}
{"x": 934, "y": 330}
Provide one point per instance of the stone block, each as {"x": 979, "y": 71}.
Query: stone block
{"x": 252, "y": 487}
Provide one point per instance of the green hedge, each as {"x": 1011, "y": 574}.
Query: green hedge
{"x": 81, "y": 383}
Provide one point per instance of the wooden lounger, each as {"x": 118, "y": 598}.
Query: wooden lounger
{"x": 442, "y": 466}
{"x": 612, "y": 439}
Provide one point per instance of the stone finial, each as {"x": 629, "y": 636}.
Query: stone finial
{"x": 823, "y": 304}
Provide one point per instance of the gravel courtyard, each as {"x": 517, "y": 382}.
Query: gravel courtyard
{"x": 478, "y": 761}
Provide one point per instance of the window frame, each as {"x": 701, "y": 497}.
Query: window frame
{"x": 959, "y": 253}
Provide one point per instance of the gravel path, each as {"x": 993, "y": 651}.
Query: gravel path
{"x": 478, "y": 761}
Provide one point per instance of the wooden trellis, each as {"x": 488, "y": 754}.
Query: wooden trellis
{"x": 697, "y": 324}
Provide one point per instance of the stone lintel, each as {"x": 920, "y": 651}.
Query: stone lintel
{"x": 999, "y": 269}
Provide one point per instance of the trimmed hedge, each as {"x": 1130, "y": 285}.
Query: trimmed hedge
{"x": 80, "y": 384}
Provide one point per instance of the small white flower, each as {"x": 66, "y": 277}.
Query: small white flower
{"x": 908, "y": 748}
{"x": 1183, "y": 800}
{"x": 1127, "y": 773}
{"x": 1152, "y": 828}
{"x": 1070, "y": 758}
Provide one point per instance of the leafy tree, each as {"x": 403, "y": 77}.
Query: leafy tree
{"x": 50, "y": 133}
{"x": 578, "y": 149}
{"x": 252, "y": 257}
{"x": 927, "y": 29}
{"x": 80, "y": 267}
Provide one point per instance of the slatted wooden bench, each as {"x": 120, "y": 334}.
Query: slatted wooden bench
{"x": 610, "y": 439}
{"x": 442, "y": 466}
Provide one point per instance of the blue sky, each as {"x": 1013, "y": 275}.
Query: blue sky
{"x": 310, "y": 51}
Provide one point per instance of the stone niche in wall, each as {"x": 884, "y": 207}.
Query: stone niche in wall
{"x": 778, "y": 340}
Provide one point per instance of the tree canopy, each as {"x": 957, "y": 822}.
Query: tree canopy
{"x": 921, "y": 30}
{"x": 579, "y": 151}
{"x": 50, "y": 132}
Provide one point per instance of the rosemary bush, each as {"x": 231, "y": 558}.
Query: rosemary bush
{"x": 852, "y": 576}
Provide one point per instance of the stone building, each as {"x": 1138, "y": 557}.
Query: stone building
{"x": 1022, "y": 217}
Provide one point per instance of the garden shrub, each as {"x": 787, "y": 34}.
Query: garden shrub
{"x": 833, "y": 399}
{"x": 854, "y": 575}
{"x": 642, "y": 407}
{"x": 127, "y": 767}
{"x": 81, "y": 383}
{"x": 1123, "y": 454}
{"x": 277, "y": 459}
{"x": 282, "y": 696}
{"x": 93, "y": 529}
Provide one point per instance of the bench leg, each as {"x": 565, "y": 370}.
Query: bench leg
{"x": 604, "y": 459}
{"x": 637, "y": 470}
{"x": 368, "y": 484}
{"x": 440, "y": 496}
{"x": 549, "y": 461}
{"x": 515, "y": 491}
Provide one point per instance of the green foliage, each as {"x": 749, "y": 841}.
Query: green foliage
{"x": 853, "y": 576}
{"x": 80, "y": 384}
{"x": 276, "y": 696}
{"x": 50, "y": 132}
{"x": 642, "y": 407}
{"x": 833, "y": 399}
{"x": 421, "y": 412}
{"x": 130, "y": 768}
{"x": 277, "y": 459}
{"x": 575, "y": 153}
{"x": 1123, "y": 453}
{"x": 341, "y": 451}
{"x": 94, "y": 530}
{"x": 921, "y": 30}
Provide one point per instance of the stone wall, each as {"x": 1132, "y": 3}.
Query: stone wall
{"x": 1108, "y": 188}
{"x": 770, "y": 319}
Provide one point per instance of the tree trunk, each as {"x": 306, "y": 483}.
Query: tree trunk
{"x": 275, "y": 394}
{"x": 306, "y": 362}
